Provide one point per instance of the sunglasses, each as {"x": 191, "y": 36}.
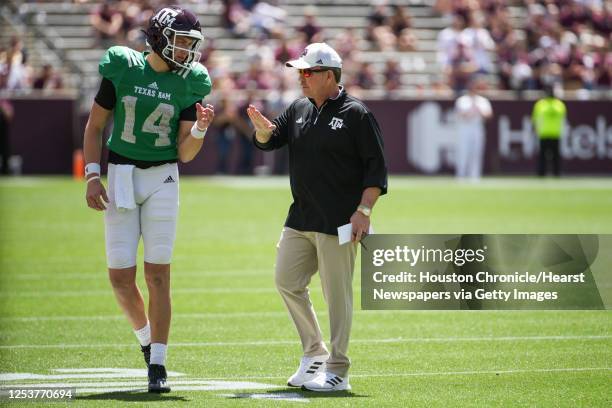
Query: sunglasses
{"x": 307, "y": 73}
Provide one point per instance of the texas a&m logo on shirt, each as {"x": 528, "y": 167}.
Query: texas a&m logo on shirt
{"x": 335, "y": 123}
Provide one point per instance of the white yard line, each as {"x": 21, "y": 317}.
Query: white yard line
{"x": 437, "y": 373}
{"x": 135, "y": 383}
{"x": 398, "y": 182}
{"x": 295, "y": 341}
{"x": 225, "y": 315}
{"x": 108, "y": 292}
{"x": 432, "y": 373}
{"x": 215, "y": 315}
{"x": 102, "y": 276}
{"x": 243, "y": 380}
{"x": 430, "y": 182}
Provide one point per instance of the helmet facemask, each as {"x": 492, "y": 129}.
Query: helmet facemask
{"x": 169, "y": 52}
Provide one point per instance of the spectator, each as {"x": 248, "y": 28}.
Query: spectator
{"x": 448, "y": 39}
{"x": 136, "y": 16}
{"x": 4, "y": 67}
{"x": 208, "y": 50}
{"x": 377, "y": 17}
{"x": 479, "y": 41}
{"x": 245, "y": 133}
{"x": 365, "y": 77}
{"x": 268, "y": 20}
{"x": 378, "y": 30}
{"x": 232, "y": 124}
{"x": 462, "y": 67}
{"x": 277, "y": 102}
{"x": 18, "y": 73}
{"x": 6, "y": 117}
{"x": 454, "y": 7}
{"x": 400, "y": 23}
{"x": 521, "y": 75}
{"x": 47, "y": 79}
{"x": 311, "y": 27}
{"x": 548, "y": 74}
{"x": 259, "y": 51}
{"x": 579, "y": 69}
{"x": 499, "y": 29}
{"x": 603, "y": 70}
{"x": 287, "y": 50}
{"x": 107, "y": 22}
{"x": 347, "y": 43}
{"x": 393, "y": 75}
{"x": 236, "y": 18}
{"x": 508, "y": 52}
{"x": 255, "y": 77}
{"x": 472, "y": 110}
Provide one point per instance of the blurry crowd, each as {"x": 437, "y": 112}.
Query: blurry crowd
{"x": 16, "y": 74}
{"x": 120, "y": 21}
{"x": 270, "y": 42}
{"x": 389, "y": 28}
{"x": 561, "y": 42}
{"x": 569, "y": 42}
{"x": 565, "y": 43}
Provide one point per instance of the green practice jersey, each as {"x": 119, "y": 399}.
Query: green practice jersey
{"x": 149, "y": 103}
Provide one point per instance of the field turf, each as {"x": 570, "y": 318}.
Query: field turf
{"x": 231, "y": 337}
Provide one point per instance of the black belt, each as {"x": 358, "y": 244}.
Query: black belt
{"x": 116, "y": 158}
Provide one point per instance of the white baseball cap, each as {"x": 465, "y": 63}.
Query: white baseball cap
{"x": 317, "y": 55}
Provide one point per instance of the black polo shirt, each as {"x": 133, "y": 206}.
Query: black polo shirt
{"x": 334, "y": 154}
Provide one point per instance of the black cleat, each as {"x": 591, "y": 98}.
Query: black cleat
{"x": 146, "y": 351}
{"x": 157, "y": 379}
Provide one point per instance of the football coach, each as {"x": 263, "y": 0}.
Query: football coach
{"x": 337, "y": 172}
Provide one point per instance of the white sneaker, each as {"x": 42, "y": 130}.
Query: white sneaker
{"x": 309, "y": 368}
{"x": 327, "y": 382}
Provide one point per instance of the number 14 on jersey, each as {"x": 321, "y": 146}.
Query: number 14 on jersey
{"x": 163, "y": 113}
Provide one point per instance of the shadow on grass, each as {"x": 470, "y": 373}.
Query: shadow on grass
{"x": 295, "y": 393}
{"x": 132, "y": 396}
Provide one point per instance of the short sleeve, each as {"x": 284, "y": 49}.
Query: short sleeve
{"x": 113, "y": 63}
{"x": 200, "y": 85}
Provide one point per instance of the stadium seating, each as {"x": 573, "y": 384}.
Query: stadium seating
{"x": 66, "y": 30}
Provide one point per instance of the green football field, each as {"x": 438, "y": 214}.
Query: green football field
{"x": 232, "y": 342}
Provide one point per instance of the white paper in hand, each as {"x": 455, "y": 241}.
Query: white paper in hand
{"x": 346, "y": 231}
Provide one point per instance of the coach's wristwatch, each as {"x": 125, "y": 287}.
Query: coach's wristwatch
{"x": 365, "y": 210}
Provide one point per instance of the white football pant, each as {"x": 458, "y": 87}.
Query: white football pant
{"x": 156, "y": 192}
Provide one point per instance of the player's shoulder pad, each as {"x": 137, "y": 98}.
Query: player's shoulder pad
{"x": 199, "y": 80}
{"x": 116, "y": 60}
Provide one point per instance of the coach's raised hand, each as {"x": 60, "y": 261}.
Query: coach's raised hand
{"x": 263, "y": 126}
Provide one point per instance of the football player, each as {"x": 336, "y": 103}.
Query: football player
{"x": 155, "y": 100}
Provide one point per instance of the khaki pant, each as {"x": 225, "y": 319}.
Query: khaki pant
{"x": 300, "y": 255}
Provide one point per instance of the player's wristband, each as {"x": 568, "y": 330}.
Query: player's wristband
{"x": 197, "y": 132}
{"x": 91, "y": 168}
{"x": 93, "y": 178}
